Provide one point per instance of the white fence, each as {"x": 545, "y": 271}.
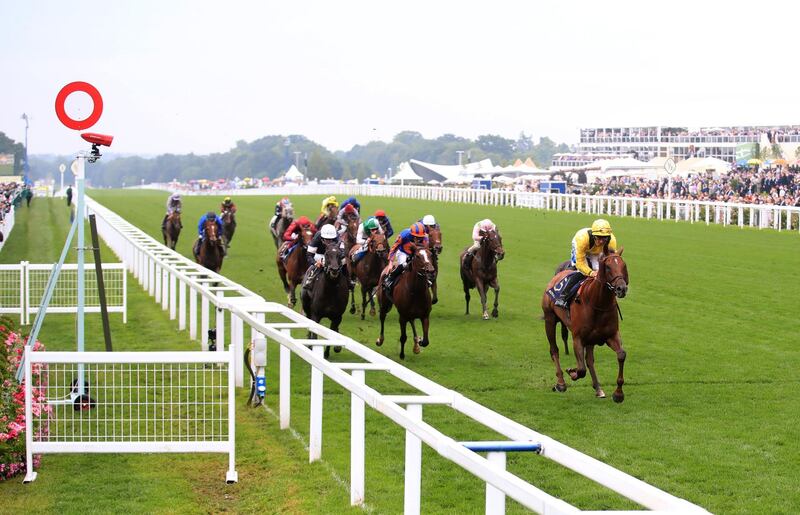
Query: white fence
{"x": 138, "y": 402}
{"x": 761, "y": 216}
{"x": 6, "y": 225}
{"x": 22, "y": 287}
{"x": 171, "y": 278}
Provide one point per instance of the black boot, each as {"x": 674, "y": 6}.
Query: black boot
{"x": 388, "y": 281}
{"x": 566, "y": 292}
{"x": 468, "y": 261}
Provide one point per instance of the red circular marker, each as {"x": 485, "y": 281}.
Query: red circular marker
{"x": 61, "y": 99}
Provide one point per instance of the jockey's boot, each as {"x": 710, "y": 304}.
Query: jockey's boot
{"x": 566, "y": 292}
{"x": 391, "y": 277}
{"x": 196, "y": 247}
{"x": 468, "y": 260}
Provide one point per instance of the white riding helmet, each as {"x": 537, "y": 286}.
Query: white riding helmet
{"x": 328, "y": 232}
{"x": 428, "y": 220}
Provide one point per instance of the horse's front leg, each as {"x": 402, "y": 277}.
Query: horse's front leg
{"x": 416, "y": 339}
{"x": 615, "y": 344}
{"x": 550, "y": 322}
{"x": 580, "y": 370}
{"x": 435, "y": 297}
{"x": 598, "y": 391}
{"x": 481, "y": 287}
{"x": 364, "y": 302}
{"x": 426, "y": 322}
{"x": 403, "y": 337}
{"x": 382, "y": 304}
{"x": 496, "y": 286}
{"x": 335, "y": 322}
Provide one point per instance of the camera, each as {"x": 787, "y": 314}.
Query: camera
{"x": 96, "y": 139}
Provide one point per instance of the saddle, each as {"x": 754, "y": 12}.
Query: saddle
{"x": 555, "y": 291}
{"x": 286, "y": 248}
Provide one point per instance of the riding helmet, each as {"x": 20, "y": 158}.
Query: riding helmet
{"x": 601, "y": 227}
{"x": 417, "y": 229}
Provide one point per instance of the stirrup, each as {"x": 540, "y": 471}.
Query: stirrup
{"x": 560, "y": 302}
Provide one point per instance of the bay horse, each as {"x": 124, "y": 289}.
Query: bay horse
{"x": 172, "y": 229}
{"x": 368, "y": 271}
{"x": 482, "y": 272}
{"x": 592, "y": 319}
{"x": 293, "y": 270}
{"x": 210, "y": 253}
{"x": 326, "y": 296}
{"x": 286, "y": 219}
{"x": 435, "y": 244}
{"x": 228, "y": 226}
{"x": 412, "y": 297}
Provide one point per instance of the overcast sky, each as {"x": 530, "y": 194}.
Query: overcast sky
{"x": 197, "y": 76}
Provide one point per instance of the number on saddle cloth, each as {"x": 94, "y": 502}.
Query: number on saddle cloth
{"x": 287, "y": 251}
{"x": 565, "y": 281}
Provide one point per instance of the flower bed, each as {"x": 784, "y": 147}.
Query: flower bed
{"x": 12, "y": 401}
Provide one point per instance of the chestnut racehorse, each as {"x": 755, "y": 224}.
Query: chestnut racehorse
{"x": 210, "y": 253}
{"x": 172, "y": 230}
{"x": 435, "y": 244}
{"x": 368, "y": 271}
{"x": 293, "y": 270}
{"x": 326, "y": 296}
{"x": 592, "y": 319}
{"x": 412, "y": 296}
{"x": 483, "y": 270}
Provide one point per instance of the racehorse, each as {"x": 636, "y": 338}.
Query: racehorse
{"x": 435, "y": 244}
{"x": 483, "y": 270}
{"x": 287, "y": 216}
{"x": 368, "y": 271}
{"x": 328, "y": 217}
{"x": 172, "y": 229}
{"x": 412, "y": 297}
{"x": 293, "y": 270}
{"x": 326, "y": 296}
{"x": 228, "y": 226}
{"x": 592, "y": 319}
{"x": 210, "y": 253}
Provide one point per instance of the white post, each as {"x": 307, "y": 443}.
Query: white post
{"x": 237, "y": 344}
{"x": 192, "y": 313}
{"x": 284, "y": 384}
{"x": 30, "y": 474}
{"x": 413, "y": 470}
{"x": 220, "y": 321}
{"x": 151, "y": 276}
{"x": 158, "y": 280}
{"x": 357, "y": 444}
{"x": 231, "y": 476}
{"x": 315, "y": 429}
{"x": 173, "y": 307}
{"x": 164, "y": 289}
{"x": 204, "y": 323}
{"x": 181, "y": 305}
{"x": 496, "y": 499}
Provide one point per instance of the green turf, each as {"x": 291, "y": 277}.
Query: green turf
{"x": 710, "y": 312}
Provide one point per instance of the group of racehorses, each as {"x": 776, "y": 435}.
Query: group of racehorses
{"x": 210, "y": 252}
{"x": 592, "y": 318}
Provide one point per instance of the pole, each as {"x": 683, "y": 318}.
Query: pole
{"x": 297, "y": 159}
{"x": 79, "y": 207}
{"x": 460, "y": 155}
{"x": 101, "y": 285}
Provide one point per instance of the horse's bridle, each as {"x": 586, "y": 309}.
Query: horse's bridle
{"x": 610, "y": 282}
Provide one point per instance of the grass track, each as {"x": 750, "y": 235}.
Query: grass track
{"x": 709, "y": 325}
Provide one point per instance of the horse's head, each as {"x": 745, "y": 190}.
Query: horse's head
{"x": 333, "y": 261}
{"x": 331, "y": 211}
{"x": 227, "y": 216}
{"x": 493, "y": 241}
{"x": 211, "y": 230}
{"x": 435, "y": 240}
{"x": 306, "y": 234}
{"x": 615, "y": 272}
{"x": 287, "y": 212}
{"x": 377, "y": 244}
{"x": 422, "y": 263}
{"x": 352, "y": 225}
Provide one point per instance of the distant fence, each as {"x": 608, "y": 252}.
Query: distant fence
{"x": 761, "y": 216}
{"x": 176, "y": 283}
{"x": 6, "y": 225}
{"x": 22, "y": 287}
{"x": 133, "y": 402}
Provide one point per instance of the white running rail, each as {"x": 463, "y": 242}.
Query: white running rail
{"x": 168, "y": 276}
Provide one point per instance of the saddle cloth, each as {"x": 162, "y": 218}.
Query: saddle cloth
{"x": 555, "y": 291}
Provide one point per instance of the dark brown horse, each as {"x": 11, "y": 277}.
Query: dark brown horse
{"x": 411, "y": 294}
{"x": 172, "y": 229}
{"x": 482, "y": 271}
{"x": 293, "y": 270}
{"x": 592, "y": 319}
{"x": 210, "y": 252}
{"x": 435, "y": 244}
{"x": 228, "y": 226}
{"x": 286, "y": 218}
{"x": 326, "y": 296}
{"x": 368, "y": 271}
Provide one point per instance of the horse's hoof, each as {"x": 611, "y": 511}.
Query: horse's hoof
{"x": 371, "y": 313}
{"x": 600, "y": 394}
{"x": 379, "y": 342}
{"x": 424, "y": 342}
{"x": 417, "y": 350}
{"x": 618, "y": 397}
{"x": 402, "y": 355}
{"x": 561, "y": 388}
{"x": 362, "y": 316}
{"x": 434, "y": 300}
{"x": 337, "y": 349}
{"x": 486, "y": 316}
{"x": 495, "y": 314}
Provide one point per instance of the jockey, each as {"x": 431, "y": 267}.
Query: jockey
{"x": 429, "y": 222}
{"x": 291, "y": 235}
{"x": 279, "y": 206}
{"x": 329, "y": 204}
{"x": 386, "y": 225}
{"x": 351, "y": 201}
{"x": 365, "y": 231}
{"x": 227, "y": 205}
{"x": 478, "y": 230}
{"x": 588, "y": 245}
{"x": 315, "y": 254}
{"x": 201, "y": 231}
{"x": 346, "y": 212}
{"x": 401, "y": 250}
{"x": 173, "y": 205}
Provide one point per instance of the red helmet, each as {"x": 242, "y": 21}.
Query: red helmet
{"x": 349, "y": 209}
{"x": 303, "y": 220}
{"x": 380, "y": 212}
{"x": 417, "y": 230}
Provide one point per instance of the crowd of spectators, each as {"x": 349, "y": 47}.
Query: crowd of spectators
{"x": 778, "y": 186}
{"x": 10, "y": 192}
{"x": 776, "y": 134}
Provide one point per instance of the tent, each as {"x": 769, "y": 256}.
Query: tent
{"x": 405, "y": 174}
{"x": 293, "y": 174}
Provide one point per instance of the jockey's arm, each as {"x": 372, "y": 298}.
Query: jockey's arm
{"x": 476, "y": 232}
{"x": 289, "y": 233}
{"x": 580, "y": 246}
{"x": 200, "y": 225}
{"x": 361, "y": 236}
